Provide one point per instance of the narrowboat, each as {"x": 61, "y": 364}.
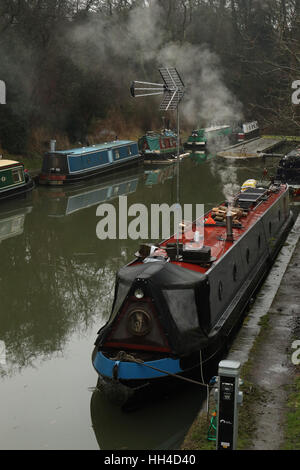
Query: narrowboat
{"x": 158, "y": 145}
{"x": 288, "y": 171}
{"x": 69, "y": 166}
{"x": 15, "y": 181}
{"x": 177, "y": 304}
{"x": 214, "y": 134}
{"x": 247, "y": 131}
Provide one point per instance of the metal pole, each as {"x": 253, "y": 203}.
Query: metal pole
{"x": 178, "y": 175}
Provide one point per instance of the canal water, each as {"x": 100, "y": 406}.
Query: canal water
{"x": 56, "y": 290}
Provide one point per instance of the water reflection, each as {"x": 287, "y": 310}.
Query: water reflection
{"x": 67, "y": 201}
{"x": 57, "y": 285}
{"x": 159, "y": 425}
{"x": 12, "y": 222}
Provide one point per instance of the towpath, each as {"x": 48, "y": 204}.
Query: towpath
{"x": 263, "y": 346}
{"x": 265, "y": 342}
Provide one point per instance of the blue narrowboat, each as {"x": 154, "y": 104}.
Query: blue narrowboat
{"x": 67, "y": 166}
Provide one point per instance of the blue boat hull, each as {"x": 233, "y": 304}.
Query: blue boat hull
{"x": 70, "y": 166}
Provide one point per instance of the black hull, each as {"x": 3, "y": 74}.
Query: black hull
{"x": 19, "y": 192}
{"x": 71, "y": 178}
{"x": 131, "y": 392}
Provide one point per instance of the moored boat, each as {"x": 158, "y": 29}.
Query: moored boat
{"x": 288, "y": 171}
{"x": 247, "y": 131}
{"x": 214, "y": 134}
{"x": 158, "y": 145}
{"x": 172, "y": 314}
{"x": 69, "y": 166}
{"x": 15, "y": 181}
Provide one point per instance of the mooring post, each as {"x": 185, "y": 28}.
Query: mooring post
{"x": 228, "y": 398}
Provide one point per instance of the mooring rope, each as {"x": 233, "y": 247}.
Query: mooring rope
{"x": 122, "y": 356}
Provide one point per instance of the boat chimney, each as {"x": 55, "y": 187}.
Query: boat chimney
{"x": 229, "y": 224}
{"x": 52, "y": 145}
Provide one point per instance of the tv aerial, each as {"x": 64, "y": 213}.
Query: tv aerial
{"x": 173, "y": 90}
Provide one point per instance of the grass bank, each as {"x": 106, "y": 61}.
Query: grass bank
{"x": 254, "y": 398}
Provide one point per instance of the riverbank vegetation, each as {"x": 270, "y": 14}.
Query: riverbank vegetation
{"x": 68, "y": 65}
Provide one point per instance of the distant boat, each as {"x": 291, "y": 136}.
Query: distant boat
{"x": 288, "y": 171}
{"x": 218, "y": 134}
{"x": 158, "y": 145}
{"x": 69, "y": 166}
{"x": 213, "y": 134}
{"x": 15, "y": 181}
{"x": 247, "y": 131}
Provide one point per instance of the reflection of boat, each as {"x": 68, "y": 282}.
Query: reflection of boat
{"x": 172, "y": 313}
{"x": 67, "y": 202}
{"x": 12, "y": 223}
{"x": 14, "y": 180}
{"x": 288, "y": 171}
{"x": 116, "y": 430}
{"x": 157, "y": 146}
{"x": 69, "y": 166}
{"x": 199, "y": 157}
{"x": 214, "y": 134}
{"x": 160, "y": 175}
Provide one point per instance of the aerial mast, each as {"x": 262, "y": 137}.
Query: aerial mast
{"x": 173, "y": 90}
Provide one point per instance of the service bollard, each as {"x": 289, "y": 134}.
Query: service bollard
{"x": 229, "y": 397}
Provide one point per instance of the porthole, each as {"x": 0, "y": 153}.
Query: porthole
{"x": 234, "y": 274}
{"x": 220, "y": 291}
{"x": 248, "y": 256}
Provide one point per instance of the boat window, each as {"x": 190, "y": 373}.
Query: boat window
{"x": 117, "y": 154}
{"x": 279, "y": 216}
{"x": 17, "y": 175}
{"x": 270, "y": 227}
{"x": 234, "y": 272}
{"x": 259, "y": 242}
{"x": 248, "y": 256}
{"x": 220, "y": 290}
{"x": 129, "y": 151}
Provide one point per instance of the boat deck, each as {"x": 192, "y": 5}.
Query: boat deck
{"x": 214, "y": 236}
